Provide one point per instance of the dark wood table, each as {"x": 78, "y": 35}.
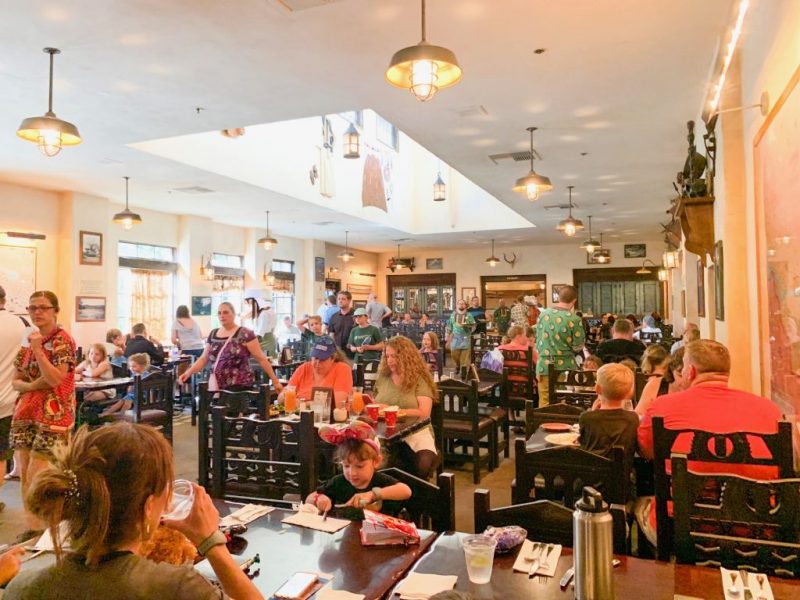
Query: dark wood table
{"x": 485, "y": 388}
{"x": 537, "y": 441}
{"x": 634, "y": 578}
{"x": 287, "y": 549}
{"x": 90, "y": 385}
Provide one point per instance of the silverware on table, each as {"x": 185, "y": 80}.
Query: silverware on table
{"x": 568, "y": 575}
{"x": 545, "y": 563}
{"x": 534, "y": 556}
{"x": 748, "y": 594}
{"x": 733, "y": 589}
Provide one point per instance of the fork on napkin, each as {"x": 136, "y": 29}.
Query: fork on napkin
{"x": 421, "y": 586}
{"x": 549, "y": 562}
{"x": 246, "y": 514}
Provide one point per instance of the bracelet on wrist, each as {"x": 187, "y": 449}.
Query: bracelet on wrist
{"x": 217, "y": 538}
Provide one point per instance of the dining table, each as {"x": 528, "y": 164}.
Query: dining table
{"x": 89, "y": 384}
{"x": 634, "y": 578}
{"x": 538, "y": 440}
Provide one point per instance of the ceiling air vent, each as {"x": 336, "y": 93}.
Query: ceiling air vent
{"x": 298, "y": 5}
{"x": 193, "y": 189}
{"x": 467, "y": 112}
{"x": 518, "y": 156}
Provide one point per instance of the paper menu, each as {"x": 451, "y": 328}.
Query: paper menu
{"x": 314, "y": 521}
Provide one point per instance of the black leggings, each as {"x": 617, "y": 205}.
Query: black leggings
{"x": 422, "y": 463}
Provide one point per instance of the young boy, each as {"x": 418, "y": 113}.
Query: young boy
{"x": 139, "y": 364}
{"x": 366, "y": 341}
{"x": 611, "y": 425}
{"x": 311, "y": 328}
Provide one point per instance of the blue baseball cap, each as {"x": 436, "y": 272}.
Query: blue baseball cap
{"x": 323, "y": 348}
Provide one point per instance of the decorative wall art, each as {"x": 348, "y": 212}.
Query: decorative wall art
{"x": 434, "y": 264}
{"x": 467, "y": 293}
{"x": 91, "y": 248}
{"x": 599, "y": 257}
{"x": 319, "y": 268}
{"x": 90, "y": 308}
{"x": 18, "y": 276}
{"x": 701, "y": 289}
{"x": 635, "y": 250}
{"x": 201, "y": 306}
{"x": 556, "y": 288}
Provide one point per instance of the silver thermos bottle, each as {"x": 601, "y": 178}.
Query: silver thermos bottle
{"x": 593, "y": 536}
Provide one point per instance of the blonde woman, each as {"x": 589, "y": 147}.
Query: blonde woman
{"x": 404, "y": 380}
{"x": 655, "y": 364}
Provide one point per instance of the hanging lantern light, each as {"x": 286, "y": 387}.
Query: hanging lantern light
{"x": 126, "y": 218}
{"x": 267, "y": 277}
{"x": 351, "y": 142}
{"x": 570, "y": 225}
{"x": 492, "y": 260}
{"x": 532, "y": 185}
{"x": 424, "y": 69}
{"x": 671, "y": 258}
{"x": 48, "y": 131}
{"x": 439, "y": 189}
{"x": 206, "y": 268}
{"x": 663, "y": 274}
{"x": 267, "y": 242}
{"x": 346, "y": 256}
{"x": 591, "y": 244}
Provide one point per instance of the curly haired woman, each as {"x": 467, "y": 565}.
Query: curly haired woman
{"x": 404, "y": 380}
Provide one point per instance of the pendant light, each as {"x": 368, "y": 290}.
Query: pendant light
{"x": 48, "y": 131}
{"x": 591, "y": 244}
{"x": 268, "y": 242}
{"x": 424, "y": 69}
{"x": 127, "y": 218}
{"x": 346, "y": 256}
{"x": 570, "y": 225}
{"x": 439, "y": 189}
{"x": 351, "y": 142}
{"x": 602, "y": 258}
{"x": 532, "y": 185}
{"x": 206, "y": 268}
{"x": 492, "y": 260}
{"x": 399, "y": 264}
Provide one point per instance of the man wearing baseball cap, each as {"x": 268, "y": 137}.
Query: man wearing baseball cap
{"x": 327, "y": 368}
{"x": 365, "y": 341}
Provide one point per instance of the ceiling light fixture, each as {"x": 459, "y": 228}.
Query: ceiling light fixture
{"x": 663, "y": 274}
{"x": 267, "y": 242}
{"x": 532, "y": 185}
{"x": 601, "y": 258}
{"x": 492, "y": 260}
{"x": 644, "y": 270}
{"x": 48, "y": 131}
{"x": 570, "y": 226}
{"x": 206, "y": 268}
{"x": 591, "y": 244}
{"x": 346, "y": 256}
{"x": 424, "y": 69}
{"x": 127, "y": 218}
{"x": 439, "y": 187}
{"x": 351, "y": 141}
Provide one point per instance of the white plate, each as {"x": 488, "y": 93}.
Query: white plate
{"x": 562, "y": 439}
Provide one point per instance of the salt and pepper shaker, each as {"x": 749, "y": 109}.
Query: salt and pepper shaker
{"x": 593, "y": 535}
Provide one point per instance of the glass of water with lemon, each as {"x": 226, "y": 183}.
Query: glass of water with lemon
{"x": 479, "y": 554}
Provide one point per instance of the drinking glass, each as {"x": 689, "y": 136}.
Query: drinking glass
{"x": 290, "y": 398}
{"x": 479, "y": 554}
{"x": 180, "y": 505}
{"x": 358, "y": 400}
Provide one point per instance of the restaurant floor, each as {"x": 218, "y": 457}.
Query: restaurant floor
{"x": 12, "y": 521}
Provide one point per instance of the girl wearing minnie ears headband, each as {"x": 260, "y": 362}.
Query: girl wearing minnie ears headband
{"x": 361, "y": 486}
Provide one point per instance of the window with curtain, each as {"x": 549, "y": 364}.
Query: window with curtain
{"x": 283, "y": 289}
{"x": 227, "y": 288}
{"x": 145, "y": 296}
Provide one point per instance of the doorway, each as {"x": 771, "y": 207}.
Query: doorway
{"x": 510, "y": 287}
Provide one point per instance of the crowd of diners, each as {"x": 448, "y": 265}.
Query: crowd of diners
{"x": 111, "y": 483}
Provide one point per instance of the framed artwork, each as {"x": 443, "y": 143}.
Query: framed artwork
{"x": 90, "y": 308}
{"x": 201, "y": 306}
{"x": 719, "y": 282}
{"x": 319, "y": 268}
{"x": 635, "y": 250}
{"x": 555, "y": 290}
{"x": 357, "y": 288}
{"x": 599, "y": 257}
{"x": 91, "y": 247}
{"x": 17, "y": 276}
{"x": 467, "y": 293}
{"x": 434, "y": 264}
{"x": 701, "y": 289}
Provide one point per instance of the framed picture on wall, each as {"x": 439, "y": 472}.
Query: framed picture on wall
{"x": 319, "y": 268}
{"x": 91, "y": 248}
{"x": 701, "y": 289}
{"x": 555, "y": 290}
{"x": 719, "y": 282}
{"x": 90, "y": 308}
{"x": 635, "y": 250}
{"x": 201, "y": 306}
{"x": 467, "y": 293}
{"x": 434, "y": 264}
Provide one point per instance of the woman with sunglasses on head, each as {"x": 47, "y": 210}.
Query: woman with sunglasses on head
{"x": 45, "y": 380}
{"x": 229, "y": 348}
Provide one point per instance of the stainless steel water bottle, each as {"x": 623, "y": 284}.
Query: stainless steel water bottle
{"x": 593, "y": 535}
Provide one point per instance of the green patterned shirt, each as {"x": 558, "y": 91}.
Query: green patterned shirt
{"x": 559, "y": 333}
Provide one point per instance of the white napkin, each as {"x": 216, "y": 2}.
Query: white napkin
{"x": 752, "y": 584}
{"x": 46, "y": 541}
{"x": 308, "y": 516}
{"x": 246, "y": 514}
{"x": 523, "y": 565}
{"x": 421, "y": 586}
{"x": 327, "y": 593}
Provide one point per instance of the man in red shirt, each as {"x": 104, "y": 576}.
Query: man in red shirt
{"x": 709, "y": 405}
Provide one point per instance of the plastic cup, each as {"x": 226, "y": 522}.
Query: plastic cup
{"x": 391, "y": 416}
{"x": 180, "y": 504}
{"x": 479, "y": 554}
{"x": 290, "y": 398}
{"x": 373, "y": 410}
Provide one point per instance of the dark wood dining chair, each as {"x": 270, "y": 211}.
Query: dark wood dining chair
{"x": 552, "y": 413}
{"x": 544, "y": 520}
{"x": 519, "y": 379}
{"x": 736, "y": 522}
{"x": 152, "y": 402}
{"x": 563, "y": 382}
{"x": 718, "y": 448}
{"x": 430, "y": 506}
{"x": 250, "y": 459}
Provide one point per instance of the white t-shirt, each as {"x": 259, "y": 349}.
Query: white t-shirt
{"x": 11, "y": 331}
{"x": 266, "y": 322}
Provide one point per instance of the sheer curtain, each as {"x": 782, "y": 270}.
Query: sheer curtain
{"x": 151, "y": 301}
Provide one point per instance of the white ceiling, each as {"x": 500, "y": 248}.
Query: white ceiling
{"x": 619, "y": 80}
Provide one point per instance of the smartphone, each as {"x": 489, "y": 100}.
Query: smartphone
{"x": 298, "y": 587}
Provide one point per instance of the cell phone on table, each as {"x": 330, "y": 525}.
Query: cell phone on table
{"x": 298, "y": 587}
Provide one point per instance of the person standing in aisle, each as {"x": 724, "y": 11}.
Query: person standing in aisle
{"x": 478, "y": 313}
{"x": 12, "y": 329}
{"x": 502, "y": 317}
{"x": 263, "y": 321}
{"x": 377, "y": 311}
{"x": 459, "y": 334}
{"x": 342, "y": 322}
{"x": 519, "y": 312}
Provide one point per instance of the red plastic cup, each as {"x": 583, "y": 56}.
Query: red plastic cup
{"x": 373, "y": 410}
{"x": 391, "y": 416}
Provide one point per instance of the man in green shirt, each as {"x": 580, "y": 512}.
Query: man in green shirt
{"x": 559, "y": 334}
{"x": 366, "y": 341}
{"x": 502, "y": 317}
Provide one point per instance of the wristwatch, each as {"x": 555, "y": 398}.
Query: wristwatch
{"x": 215, "y": 539}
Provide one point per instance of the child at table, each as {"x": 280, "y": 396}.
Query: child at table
{"x": 138, "y": 364}
{"x": 361, "y": 486}
{"x": 611, "y": 425}
{"x": 430, "y": 351}
{"x": 96, "y": 366}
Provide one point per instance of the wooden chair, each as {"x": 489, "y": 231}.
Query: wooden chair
{"x": 462, "y": 423}
{"x": 152, "y": 402}
{"x": 553, "y": 413}
{"x": 250, "y": 459}
{"x": 119, "y": 370}
{"x": 519, "y": 379}
{"x": 650, "y": 337}
{"x": 544, "y": 520}
{"x": 736, "y": 522}
{"x": 728, "y": 448}
{"x": 563, "y": 383}
{"x": 370, "y": 374}
{"x": 561, "y": 473}
{"x": 430, "y": 506}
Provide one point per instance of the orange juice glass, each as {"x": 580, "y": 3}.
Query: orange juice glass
{"x": 290, "y": 399}
{"x": 358, "y": 400}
